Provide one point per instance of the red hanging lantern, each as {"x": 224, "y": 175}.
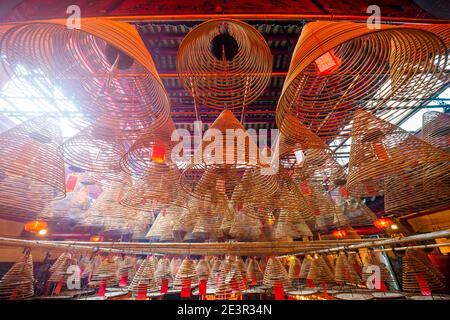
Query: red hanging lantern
{"x": 383, "y": 223}
{"x": 36, "y": 226}
{"x": 339, "y": 233}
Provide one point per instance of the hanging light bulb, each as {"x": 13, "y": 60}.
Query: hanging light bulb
{"x": 383, "y": 223}
{"x": 96, "y": 238}
{"x": 35, "y": 226}
{"x": 339, "y": 233}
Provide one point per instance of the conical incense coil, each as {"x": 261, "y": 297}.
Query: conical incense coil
{"x": 384, "y": 157}
{"x": 162, "y": 228}
{"x": 245, "y": 228}
{"x": 163, "y": 271}
{"x": 126, "y": 270}
{"x": 59, "y": 269}
{"x": 105, "y": 273}
{"x": 276, "y": 273}
{"x": 94, "y": 64}
{"x": 320, "y": 271}
{"x": 357, "y": 213}
{"x": 216, "y": 267}
{"x": 254, "y": 272}
{"x": 322, "y": 70}
{"x": 416, "y": 268}
{"x": 208, "y": 217}
{"x": 145, "y": 276}
{"x": 175, "y": 264}
{"x": 372, "y": 260}
{"x": 306, "y": 266}
{"x": 203, "y": 269}
{"x": 18, "y": 282}
{"x": 224, "y": 63}
{"x": 92, "y": 265}
{"x": 295, "y": 266}
{"x": 30, "y": 162}
{"x": 185, "y": 222}
{"x": 230, "y": 281}
{"x": 186, "y": 272}
{"x": 303, "y": 229}
{"x": 284, "y": 230}
{"x": 436, "y": 129}
{"x": 355, "y": 262}
{"x": 344, "y": 272}
{"x": 242, "y": 267}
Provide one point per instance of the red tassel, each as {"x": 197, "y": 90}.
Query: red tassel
{"x": 325, "y": 293}
{"x": 253, "y": 279}
{"x": 102, "y": 289}
{"x": 310, "y": 283}
{"x": 123, "y": 281}
{"x": 58, "y": 287}
{"x": 13, "y": 295}
{"x": 383, "y": 287}
{"x": 186, "y": 288}
{"x": 71, "y": 183}
{"x": 142, "y": 291}
{"x": 424, "y": 287}
{"x": 344, "y": 192}
{"x": 202, "y": 287}
{"x": 278, "y": 290}
{"x": 164, "y": 285}
{"x": 234, "y": 285}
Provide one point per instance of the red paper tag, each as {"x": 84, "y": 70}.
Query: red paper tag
{"x": 239, "y": 206}
{"x": 102, "y": 289}
{"x": 244, "y": 281}
{"x": 202, "y": 287}
{"x": 158, "y": 153}
{"x": 383, "y": 287}
{"x": 71, "y": 183}
{"x": 344, "y": 192}
{"x": 424, "y": 287}
{"x": 327, "y": 62}
{"x": 253, "y": 279}
{"x": 325, "y": 293}
{"x": 164, "y": 285}
{"x": 142, "y": 291}
{"x": 305, "y": 188}
{"x": 380, "y": 151}
{"x": 278, "y": 290}
{"x": 186, "y": 288}
{"x": 58, "y": 287}
{"x": 123, "y": 281}
{"x": 13, "y": 294}
{"x": 310, "y": 283}
{"x": 317, "y": 212}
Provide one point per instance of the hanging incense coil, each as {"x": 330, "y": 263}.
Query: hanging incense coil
{"x": 275, "y": 273}
{"x": 186, "y": 272}
{"x": 104, "y": 65}
{"x": 230, "y": 281}
{"x": 224, "y": 63}
{"x": 436, "y": 129}
{"x": 306, "y": 266}
{"x": 344, "y": 272}
{"x": 386, "y": 158}
{"x": 254, "y": 272}
{"x": 295, "y": 266}
{"x": 203, "y": 269}
{"x": 31, "y": 170}
{"x": 126, "y": 270}
{"x": 373, "y": 260}
{"x": 325, "y": 86}
{"x": 245, "y": 228}
{"x": 415, "y": 265}
{"x": 355, "y": 262}
{"x": 175, "y": 264}
{"x": 185, "y": 222}
{"x": 357, "y": 213}
{"x": 145, "y": 276}
{"x": 105, "y": 273}
{"x": 320, "y": 271}
{"x": 162, "y": 228}
{"x": 92, "y": 265}
{"x": 18, "y": 282}
{"x": 163, "y": 271}
{"x": 59, "y": 269}
{"x": 208, "y": 217}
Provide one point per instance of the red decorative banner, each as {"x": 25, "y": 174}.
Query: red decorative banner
{"x": 102, "y": 289}
{"x": 202, "y": 287}
{"x": 423, "y": 284}
{"x": 164, "y": 285}
{"x": 186, "y": 288}
{"x": 142, "y": 291}
{"x": 278, "y": 290}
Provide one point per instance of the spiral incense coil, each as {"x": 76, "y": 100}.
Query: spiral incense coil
{"x": 357, "y": 213}
{"x": 162, "y": 228}
{"x": 186, "y": 272}
{"x": 126, "y": 269}
{"x": 18, "y": 282}
{"x": 355, "y": 262}
{"x": 339, "y": 67}
{"x": 284, "y": 229}
{"x": 275, "y": 273}
{"x": 295, "y": 266}
{"x": 344, "y": 272}
{"x": 216, "y": 267}
{"x": 436, "y": 129}
{"x": 254, "y": 272}
{"x": 105, "y": 273}
{"x": 208, "y": 217}
{"x": 145, "y": 276}
{"x": 230, "y": 281}
{"x": 175, "y": 264}
{"x": 416, "y": 264}
{"x": 320, "y": 271}
{"x": 59, "y": 268}
{"x": 372, "y": 260}
{"x": 242, "y": 267}
{"x": 245, "y": 228}
{"x": 224, "y": 63}
{"x": 185, "y": 222}
{"x": 386, "y": 158}
{"x": 30, "y": 162}
{"x": 303, "y": 229}
{"x": 92, "y": 265}
{"x": 203, "y": 269}
{"x": 163, "y": 271}
{"x": 306, "y": 266}
{"x": 104, "y": 65}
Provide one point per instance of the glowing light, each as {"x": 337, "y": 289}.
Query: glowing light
{"x": 42, "y": 232}
{"x": 35, "y": 226}
{"x": 394, "y": 227}
{"x": 339, "y": 233}
{"x": 383, "y": 223}
{"x": 96, "y": 238}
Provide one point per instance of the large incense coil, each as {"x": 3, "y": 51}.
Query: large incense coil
{"x": 320, "y": 271}
{"x": 31, "y": 170}
{"x": 175, "y": 264}
{"x": 104, "y": 65}
{"x": 163, "y": 271}
{"x": 303, "y": 229}
{"x": 126, "y": 269}
{"x": 355, "y": 262}
{"x": 186, "y": 272}
{"x": 185, "y": 222}
{"x": 276, "y": 273}
{"x": 306, "y": 266}
{"x": 284, "y": 229}
{"x": 415, "y": 264}
{"x": 209, "y": 216}
{"x": 162, "y": 228}
{"x": 357, "y": 213}
{"x": 59, "y": 268}
{"x": 295, "y": 266}
{"x": 245, "y": 227}
{"x": 242, "y": 267}
{"x": 159, "y": 185}
{"x": 203, "y": 269}
{"x": 145, "y": 276}
{"x": 18, "y": 282}
{"x": 361, "y": 68}
{"x": 230, "y": 281}
{"x": 372, "y": 259}
{"x": 224, "y": 63}
{"x": 386, "y": 158}
{"x": 436, "y": 129}
{"x": 105, "y": 273}
{"x": 344, "y": 272}
{"x": 92, "y": 265}
{"x": 254, "y": 272}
